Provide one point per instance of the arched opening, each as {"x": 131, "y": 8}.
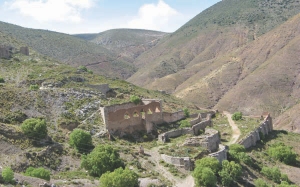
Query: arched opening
{"x": 126, "y": 116}
{"x": 149, "y": 111}
{"x": 135, "y": 114}
{"x": 157, "y": 110}
{"x": 143, "y": 114}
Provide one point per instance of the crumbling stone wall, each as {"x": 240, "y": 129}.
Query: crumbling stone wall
{"x": 194, "y": 130}
{"x": 184, "y": 162}
{"x": 5, "y": 52}
{"x": 254, "y": 136}
{"x": 24, "y": 51}
{"x": 196, "y": 120}
{"x": 173, "y": 117}
{"x": 103, "y": 88}
{"x": 221, "y": 154}
{"x": 128, "y": 117}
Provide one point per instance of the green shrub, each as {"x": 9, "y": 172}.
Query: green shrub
{"x": 237, "y": 148}
{"x": 272, "y": 173}
{"x": 260, "y": 183}
{"x": 82, "y": 68}
{"x": 34, "y": 87}
{"x": 119, "y": 178}
{"x": 90, "y": 72}
{"x": 186, "y": 112}
{"x": 35, "y": 127}
{"x": 38, "y": 173}
{"x": 102, "y": 159}
{"x": 209, "y": 162}
{"x": 135, "y": 99}
{"x": 81, "y": 140}
{"x": 230, "y": 172}
{"x": 282, "y": 153}
{"x": 184, "y": 123}
{"x": 286, "y": 184}
{"x": 2, "y": 80}
{"x": 204, "y": 176}
{"x": 237, "y": 116}
{"x": 7, "y": 174}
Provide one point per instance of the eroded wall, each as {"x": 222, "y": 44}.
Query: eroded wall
{"x": 184, "y": 162}
{"x": 254, "y": 136}
{"x": 221, "y": 154}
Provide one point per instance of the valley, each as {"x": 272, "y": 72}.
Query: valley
{"x": 215, "y": 103}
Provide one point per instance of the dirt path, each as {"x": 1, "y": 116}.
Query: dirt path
{"x": 235, "y": 130}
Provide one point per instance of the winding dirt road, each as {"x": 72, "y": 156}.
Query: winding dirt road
{"x": 235, "y": 130}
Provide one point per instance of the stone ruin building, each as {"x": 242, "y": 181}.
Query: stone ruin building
{"x": 128, "y": 117}
{"x": 7, "y": 51}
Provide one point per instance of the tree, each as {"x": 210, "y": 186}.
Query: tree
{"x": 283, "y": 153}
{"x": 34, "y": 127}
{"x": 230, "y": 172}
{"x": 38, "y": 173}
{"x": 81, "y": 140}
{"x": 209, "y": 162}
{"x": 7, "y": 174}
{"x": 274, "y": 174}
{"x": 237, "y": 116}
{"x": 186, "y": 112}
{"x": 135, "y": 99}
{"x": 237, "y": 153}
{"x": 102, "y": 159}
{"x": 260, "y": 183}
{"x": 119, "y": 178}
{"x": 204, "y": 176}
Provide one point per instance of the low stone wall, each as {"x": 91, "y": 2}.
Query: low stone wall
{"x": 201, "y": 126}
{"x": 254, "y": 136}
{"x": 194, "y": 130}
{"x": 184, "y": 162}
{"x": 221, "y": 154}
{"x": 196, "y": 120}
{"x": 172, "y": 117}
{"x": 103, "y": 88}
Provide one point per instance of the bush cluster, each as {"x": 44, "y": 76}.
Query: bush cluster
{"x": 35, "y": 127}
{"x": 38, "y": 173}
{"x": 135, "y": 99}
{"x": 119, "y": 178}
{"x": 237, "y": 116}
{"x": 282, "y": 153}
{"x": 102, "y": 159}
{"x": 7, "y": 175}
{"x": 237, "y": 153}
{"x": 81, "y": 140}
{"x": 184, "y": 123}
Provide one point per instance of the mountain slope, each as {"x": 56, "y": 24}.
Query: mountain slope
{"x": 223, "y": 45}
{"x": 128, "y": 43}
{"x": 71, "y": 50}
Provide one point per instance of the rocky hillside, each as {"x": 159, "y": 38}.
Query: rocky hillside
{"x": 71, "y": 50}
{"x": 128, "y": 43}
{"x": 236, "y": 55}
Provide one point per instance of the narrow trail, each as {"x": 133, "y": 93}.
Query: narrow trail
{"x": 235, "y": 130}
{"x": 177, "y": 182}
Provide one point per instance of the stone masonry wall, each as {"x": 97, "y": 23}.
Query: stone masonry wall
{"x": 103, "y": 88}
{"x": 221, "y": 154}
{"x": 5, "y": 52}
{"x": 254, "y": 136}
{"x": 172, "y": 117}
{"x": 184, "y": 162}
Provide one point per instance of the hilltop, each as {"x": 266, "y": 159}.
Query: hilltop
{"x": 128, "y": 43}
{"x": 71, "y": 50}
{"x": 237, "y": 55}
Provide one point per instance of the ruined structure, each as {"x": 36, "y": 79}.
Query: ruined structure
{"x": 254, "y": 136}
{"x": 5, "y": 52}
{"x": 209, "y": 140}
{"x": 128, "y": 117}
{"x": 197, "y": 124}
{"x": 24, "y": 51}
